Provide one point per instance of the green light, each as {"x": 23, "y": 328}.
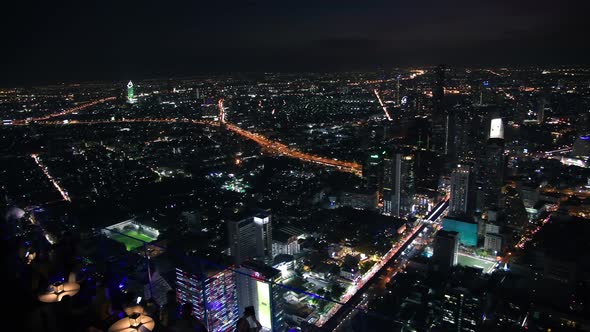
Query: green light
{"x": 374, "y": 156}
{"x": 130, "y": 94}
{"x": 130, "y": 90}
{"x": 264, "y": 312}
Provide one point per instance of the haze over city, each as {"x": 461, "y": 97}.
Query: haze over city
{"x": 309, "y": 166}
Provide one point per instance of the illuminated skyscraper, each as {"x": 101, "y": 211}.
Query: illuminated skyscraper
{"x": 461, "y": 312}
{"x": 399, "y": 184}
{"x": 251, "y": 237}
{"x": 130, "y": 93}
{"x": 373, "y": 171}
{"x": 462, "y": 190}
{"x": 257, "y": 287}
{"x": 213, "y": 294}
{"x": 493, "y": 164}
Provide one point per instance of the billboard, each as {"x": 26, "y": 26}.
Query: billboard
{"x": 497, "y": 128}
{"x": 264, "y": 309}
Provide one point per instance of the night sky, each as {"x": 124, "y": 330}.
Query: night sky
{"x": 98, "y": 40}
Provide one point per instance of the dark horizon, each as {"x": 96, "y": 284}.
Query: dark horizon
{"x": 77, "y": 41}
{"x": 107, "y": 78}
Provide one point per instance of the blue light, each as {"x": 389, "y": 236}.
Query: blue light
{"x": 467, "y": 230}
{"x": 585, "y": 138}
{"x": 486, "y": 83}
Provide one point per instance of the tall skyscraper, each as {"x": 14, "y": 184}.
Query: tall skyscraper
{"x": 130, "y": 93}
{"x": 450, "y": 132}
{"x": 541, "y": 104}
{"x": 492, "y": 174}
{"x": 446, "y": 247}
{"x": 443, "y": 117}
{"x": 397, "y": 94}
{"x": 373, "y": 171}
{"x": 461, "y": 312}
{"x": 399, "y": 184}
{"x": 257, "y": 287}
{"x": 213, "y": 294}
{"x": 251, "y": 237}
{"x": 438, "y": 91}
{"x": 462, "y": 190}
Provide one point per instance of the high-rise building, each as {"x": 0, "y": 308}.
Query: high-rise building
{"x": 251, "y": 237}
{"x": 446, "y": 247}
{"x": 131, "y": 99}
{"x": 373, "y": 171}
{"x": 450, "y": 148}
{"x": 438, "y": 91}
{"x": 461, "y": 311}
{"x": 462, "y": 190}
{"x": 442, "y": 120}
{"x": 493, "y": 165}
{"x": 541, "y": 105}
{"x": 399, "y": 184}
{"x": 493, "y": 172}
{"x": 257, "y": 286}
{"x": 493, "y": 242}
{"x": 284, "y": 243}
{"x": 213, "y": 294}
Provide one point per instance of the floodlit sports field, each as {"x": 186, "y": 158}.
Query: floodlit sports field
{"x": 130, "y": 243}
{"x": 472, "y": 261}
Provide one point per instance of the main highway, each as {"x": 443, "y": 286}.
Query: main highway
{"x": 269, "y": 145}
{"x": 375, "y": 285}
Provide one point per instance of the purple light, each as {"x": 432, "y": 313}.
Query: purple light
{"x": 215, "y": 305}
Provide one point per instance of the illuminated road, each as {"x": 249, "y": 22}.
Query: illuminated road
{"x": 382, "y": 105}
{"x": 530, "y": 233}
{"x": 282, "y": 149}
{"x": 62, "y": 192}
{"x": 133, "y": 120}
{"x": 65, "y": 112}
{"x": 355, "y": 296}
{"x": 268, "y": 145}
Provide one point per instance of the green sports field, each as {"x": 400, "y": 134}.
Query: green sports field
{"x": 473, "y": 261}
{"x": 134, "y": 243}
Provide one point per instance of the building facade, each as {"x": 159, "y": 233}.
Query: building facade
{"x": 251, "y": 237}
{"x": 462, "y": 201}
{"x": 399, "y": 184}
{"x": 213, "y": 295}
{"x": 257, "y": 286}
{"x": 446, "y": 248}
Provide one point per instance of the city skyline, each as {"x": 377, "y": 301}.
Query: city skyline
{"x": 296, "y": 167}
